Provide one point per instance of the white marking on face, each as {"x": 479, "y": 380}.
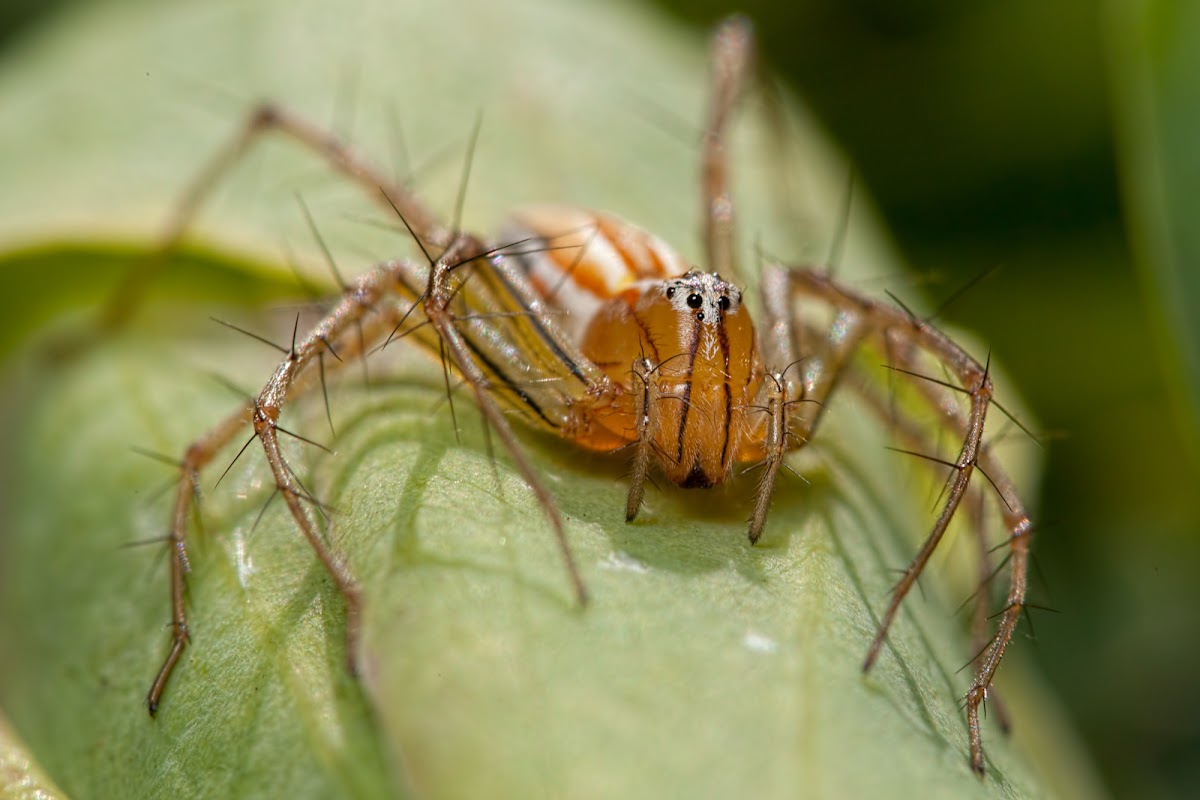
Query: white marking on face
{"x": 704, "y": 295}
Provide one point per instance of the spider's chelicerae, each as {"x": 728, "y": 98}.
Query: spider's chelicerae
{"x": 588, "y": 327}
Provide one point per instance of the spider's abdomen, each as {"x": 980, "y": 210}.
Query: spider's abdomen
{"x": 579, "y": 259}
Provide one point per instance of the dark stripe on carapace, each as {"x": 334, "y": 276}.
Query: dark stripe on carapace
{"x": 723, "y": 338}
{"x": 644, "y": 330}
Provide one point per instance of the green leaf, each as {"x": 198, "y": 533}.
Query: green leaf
{"x": 703, "y": 666}
{"x": 1155, "y": 47}
{"x": 20, "y": 776}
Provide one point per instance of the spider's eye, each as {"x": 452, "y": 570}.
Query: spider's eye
{"x": 670, "y": 292}
{"x": 694, "y": 300}
{"x": 724, "y": 303}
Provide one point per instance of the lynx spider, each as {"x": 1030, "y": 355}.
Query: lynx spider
{"x": 721, "y": 394}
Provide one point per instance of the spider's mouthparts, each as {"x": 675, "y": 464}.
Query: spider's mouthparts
{"x": 697, "y": 479}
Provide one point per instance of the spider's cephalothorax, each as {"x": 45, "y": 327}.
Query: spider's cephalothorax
{"x": 699, "y": 343}
{"x": 592, "y": 329}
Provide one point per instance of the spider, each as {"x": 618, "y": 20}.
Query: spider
{"x": 585, "y": 326}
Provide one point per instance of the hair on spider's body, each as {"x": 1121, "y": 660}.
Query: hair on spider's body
{"x": 592, "y": 329}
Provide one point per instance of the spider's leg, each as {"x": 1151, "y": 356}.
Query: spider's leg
{"x": 976, "y": 381}
{"x": 793, "y": 397}
{"x": 980, "y": 610}
{"x": 858, "y": 316}
{"x": 263, "y": 119}
{"x": 732, "y": 52}
{"x": 363, "y": 307}
{"x": 464, "y": 354}
{"x": 647, "y": 428}
{"x": 917, "y": 437}
{"x": 776, "y": 440}
{"x": 356, "y": 302}
{"x": 198, "y": 454}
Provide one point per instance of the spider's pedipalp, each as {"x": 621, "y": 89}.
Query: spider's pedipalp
{"x": 776, "y": 444}
{"x": 646, "y": 417}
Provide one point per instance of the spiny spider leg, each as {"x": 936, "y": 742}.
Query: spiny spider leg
{"x": 293, "y": 375}
{"x": 1020, "y": 531}
{"x": 916, "y": 436}
{"x": 732, "y": 51}
{"x": 777, "y": 442}
{"x": 438, "y": 296}
{"x": 263, "y": 119}
{"x": 790, "y": 422}
{"x": 916, "y": 336}
{"x": 980, "y": 634}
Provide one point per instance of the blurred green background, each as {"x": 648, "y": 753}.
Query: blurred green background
{"x": 1050, "y": 140}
